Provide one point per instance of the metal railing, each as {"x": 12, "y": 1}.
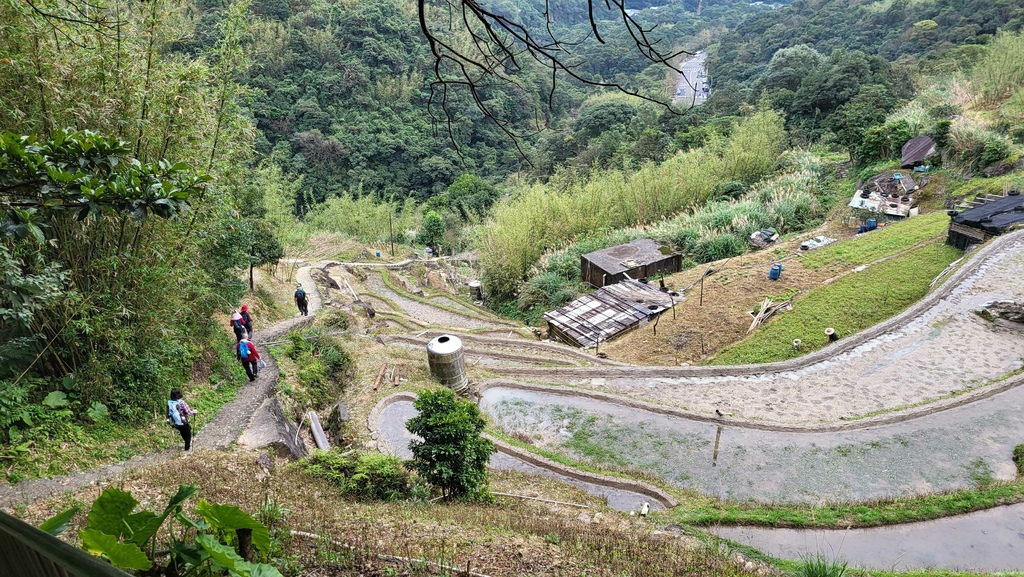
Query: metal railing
{"x": 28, "y": 552}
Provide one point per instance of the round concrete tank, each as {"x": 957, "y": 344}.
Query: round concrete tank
{"x": 476, "y": 291}
{"x": 447, "y": 363}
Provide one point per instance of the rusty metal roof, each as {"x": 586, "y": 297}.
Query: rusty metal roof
{"x": 610, "y": 311}
{"x": 917, "y": 149}
{"x": 623, "y": 257}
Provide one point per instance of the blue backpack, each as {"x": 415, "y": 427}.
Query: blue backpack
{"x": 237, "y": 323}
{"x": 173, "y": 415}
{"x": 243, "y": 349}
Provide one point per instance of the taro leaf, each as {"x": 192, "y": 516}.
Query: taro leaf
{"x": 56, "y": 399}
{"x": 264, "y": 570}
{"x": 137, "y": 524}
{"x": 97, "y": 412}
{"x": 228, "y": 517}
{"x": 58, "y": 523}
{"x": 144, "y": 532}
{"x": 110, "y": 510}
{"x": 123, "y": 555}
{"x": 221, "y": 553}
{"x": 189, "y": 553}
{"x": 199, "y": 525}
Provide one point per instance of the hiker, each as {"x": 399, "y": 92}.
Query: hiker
{"x": 178, "y": 413}
{"x": 300, "y": 300}
{"x": 246, "y": 352}
{"x": 237, "y": 325}
{"x": 246, "y": 319}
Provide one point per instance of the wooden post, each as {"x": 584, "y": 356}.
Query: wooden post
{"x": 391, "y": 233}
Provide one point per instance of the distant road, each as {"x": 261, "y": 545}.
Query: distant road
{"x": 694, "y": 77}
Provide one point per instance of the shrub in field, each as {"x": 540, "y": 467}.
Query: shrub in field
{"x": 1018, "y": 459}
{"x": 364, "y": 474}
{"x": 452, "y": 455}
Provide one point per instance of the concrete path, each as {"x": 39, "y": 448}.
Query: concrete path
{"x": 219, "y": 433}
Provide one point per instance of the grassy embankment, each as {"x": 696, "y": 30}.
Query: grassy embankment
{"x": 907, "y": 256}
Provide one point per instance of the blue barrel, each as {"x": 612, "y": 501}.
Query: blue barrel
{"x": 871, "y": 224}
{"x": 775, "y": 272}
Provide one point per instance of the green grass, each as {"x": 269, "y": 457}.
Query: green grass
{"x": 851, "y": 304}
{"x": 60, "y": 445}
{"x": 838, "y": 516}
{"x": 869, "y": 247}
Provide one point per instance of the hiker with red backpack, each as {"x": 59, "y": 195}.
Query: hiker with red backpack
{"x": 246, "y": 319}
{"x": 237, "y": 325}
{"x": 246, "y": 352}
{"x": 178, "y": 414}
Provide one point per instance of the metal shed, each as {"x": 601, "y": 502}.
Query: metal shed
{"x": 640, "y": 258}
{"x": 607, "y": 313}
{"x": 988, "y": 217}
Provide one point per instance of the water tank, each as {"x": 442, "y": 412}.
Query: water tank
{"x": 447, "y": 363}
{"x": 476, "y": 290}
{"x": 775, "y": 272}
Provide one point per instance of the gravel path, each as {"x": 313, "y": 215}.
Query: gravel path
{"x": 219, "y": 433}
{"x": 424, "y": 312}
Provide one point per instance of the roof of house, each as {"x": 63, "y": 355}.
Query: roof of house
{"x": 621, "y": 258}
{"x": 917, "y": 149}
{"x": 996, "y": 215}
{"x": 610, "y": 311}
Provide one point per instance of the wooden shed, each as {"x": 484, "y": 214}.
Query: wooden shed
{"x": 608, "y": 312}
{"x": 641, "y": 258}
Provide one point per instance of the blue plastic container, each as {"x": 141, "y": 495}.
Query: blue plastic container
{"x": 378, "y": 254}
{"x": 775, "y": 272}
{"x": 871, "y": 223}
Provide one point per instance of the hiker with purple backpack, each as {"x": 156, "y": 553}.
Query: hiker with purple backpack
{"x": 178, "y": 415}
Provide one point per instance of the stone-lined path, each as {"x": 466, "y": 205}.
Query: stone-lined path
{"x": 219, "y": 433}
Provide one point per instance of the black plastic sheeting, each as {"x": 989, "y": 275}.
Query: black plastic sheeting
{"x": 995, "y": 216}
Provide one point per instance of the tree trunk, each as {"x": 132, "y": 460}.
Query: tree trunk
{"x": 252, "y": 287}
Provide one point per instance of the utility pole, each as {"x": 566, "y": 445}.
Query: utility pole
{"x": 391, "y": 233}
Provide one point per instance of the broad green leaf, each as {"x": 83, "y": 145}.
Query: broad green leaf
{"x": 110, "y": 510}
{"x": 220, "y": 553}
{"x": 56, "y": 399}
{"x": 58, "y": 523}
{"x": 143, "y": 533}
{"x": 98, "y": 411}
{"x": 199, "y": 525}
{"x": 228, "y": 517}
{"x": 264, "y": 570}
{"x": 137, "y": 523}
{"x": 123, "y": 555}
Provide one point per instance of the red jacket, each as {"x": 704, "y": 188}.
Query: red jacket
{"x": 253, "y": 353}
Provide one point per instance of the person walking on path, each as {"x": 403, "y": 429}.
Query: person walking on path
{"x": 301, "y": 301}
{"x": 246, "y": 319}
{"x": 246, "y": 352}
{"x": 238, "y": 325}
{"x": 178, "y": 415}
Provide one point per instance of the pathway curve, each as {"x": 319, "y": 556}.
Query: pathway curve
{"x": 219, "y": 433}
{"x": 937, "y": 348}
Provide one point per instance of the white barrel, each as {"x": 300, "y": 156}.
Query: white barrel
{"x": 447, "y": 362}
{"x": 476, "y": 290}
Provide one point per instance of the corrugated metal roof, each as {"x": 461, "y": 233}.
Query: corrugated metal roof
{"x": 917, "y": 149}
{"x": 623, "y": 257}
{"x": 609, "y": 312}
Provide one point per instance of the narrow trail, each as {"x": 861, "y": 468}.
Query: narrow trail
{"x": 218, "y": 434}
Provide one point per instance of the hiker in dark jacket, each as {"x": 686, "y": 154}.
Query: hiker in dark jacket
{"x": 301, "y": 300}
{"x": 178, "y": 414}
{"x": 238, "y": 325}
{"x": 246, "y": 352}
{"x": 246, "y": 319}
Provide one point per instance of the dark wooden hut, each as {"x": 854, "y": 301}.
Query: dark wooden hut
{"x": 989, "y": 217}
{"x": 641, "y": 258}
